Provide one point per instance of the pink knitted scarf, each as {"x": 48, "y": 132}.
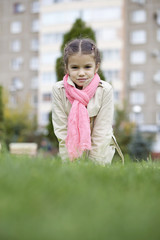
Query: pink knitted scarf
{"x": 78, "y": 133}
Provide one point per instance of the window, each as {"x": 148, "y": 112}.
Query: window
{"x": 138, "y": 16}
{"x": 136, "y": 115}
{"x": 116, "y": 96}
{"x": 139, "y": 1}
{"x": 16, "y": 84}
{"x": 49, "y": 58}
{"x": 138, "y": 57}
{"x": 158, "y": 35}
{"x": 136, "y": 97}
{"x": 46, "y": 2}
{"x": 112, "y": 75}
{"x": 48, "y": 77}
{"x": 158, "y": 117}
{"x": 136, "y": 78}
{"x": 109, "y": 34}
{"x": 13, "y": 100}
{"x": 101, "y": 14}
{"x": 46, "y": 97}
{"x": 60, "y": 17}
{"x": 50, "y": 2}
{"x": 157, "y": 16}
{"x": 35, "y": 44}
{"x": 51, "y": 38}
{"x": 18, "y": 8}
{"x": 35, "y": 7}
{"x": 138, "y": 118}
{"x": 16, "y": 45}
{"x": 111, "y": 55}
{"x": 156, "y": 77}
{"x": 34, "y": 83}
{"x": 35, "y": 25}
{"x": 34, "y": 63}
{"x": 158, "y": 97}
{"x": 16, "y": 27}
{"x": 156, "y": 53}
{"x": 138, "y": 37}
{"x": 44, "y": 118}
{"x": 17, "y": 63}
{"x": 34, "y": 99}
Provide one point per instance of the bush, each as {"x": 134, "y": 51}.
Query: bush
{"x": 123, "y": 129}
{"x": 139, "y": 147}
{"x": 50, "y": 132}
{"x": 1, "y": 116}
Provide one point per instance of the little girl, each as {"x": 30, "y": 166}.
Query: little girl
{"x": 82, "y": 111}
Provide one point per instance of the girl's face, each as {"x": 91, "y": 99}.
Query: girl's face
{"x": 81, "y": 67}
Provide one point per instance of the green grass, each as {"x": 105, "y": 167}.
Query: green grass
{"x": 43, "y": 199}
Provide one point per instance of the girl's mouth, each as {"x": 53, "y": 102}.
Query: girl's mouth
{"x": 82, "y": 79}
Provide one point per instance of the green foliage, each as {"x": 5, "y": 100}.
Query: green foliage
{"x": 18, "y": 126}
{"x": 41, "y": 198}
{"x": 78, "y": 30}
{"x": 1, "y": 116}
{"x": 60, "y": 71}
{"x": 50, "y": 132}
{"x": 1, "y": 106}
{"x": 139, "y": 147}
{"x": 123, "y": 129}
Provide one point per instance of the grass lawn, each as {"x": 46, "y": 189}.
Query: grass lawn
{"x": 45, "y": 199}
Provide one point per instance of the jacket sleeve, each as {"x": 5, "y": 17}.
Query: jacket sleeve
{"x": 101, "y": 150}
{"x": 59, "y": 120}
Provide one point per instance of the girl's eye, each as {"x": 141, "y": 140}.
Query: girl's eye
{"x": 88, "y": 66}
{"x": 74, "y": 67}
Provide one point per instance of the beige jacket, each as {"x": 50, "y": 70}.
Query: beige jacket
{"x": 100, "y": 110}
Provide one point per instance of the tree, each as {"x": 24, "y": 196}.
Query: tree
{"x": 50, "y": 133}
{"x": 78, "y": 30}
{"x": 123, "y": 129}
{"x": 139, "y": 147}
{"x": 1, "y": 116}
{"x": 18, "y": 126}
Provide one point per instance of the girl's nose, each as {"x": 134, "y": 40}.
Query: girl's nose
{"x": 81, "y": 72}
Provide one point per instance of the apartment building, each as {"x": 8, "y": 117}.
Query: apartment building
{"x": 105, "y": 17}
{"x": 142, "y": 64}
{"x": 19, "y": 46}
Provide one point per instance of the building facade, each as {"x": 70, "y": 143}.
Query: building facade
{"x": 142, "y": 63}
{"x": 19, "y": 50}
{"x": 105, "y": 17}
{"x": 31, "y": 33}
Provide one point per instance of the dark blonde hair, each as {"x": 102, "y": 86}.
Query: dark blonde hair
{"x": 83, "y": 46}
